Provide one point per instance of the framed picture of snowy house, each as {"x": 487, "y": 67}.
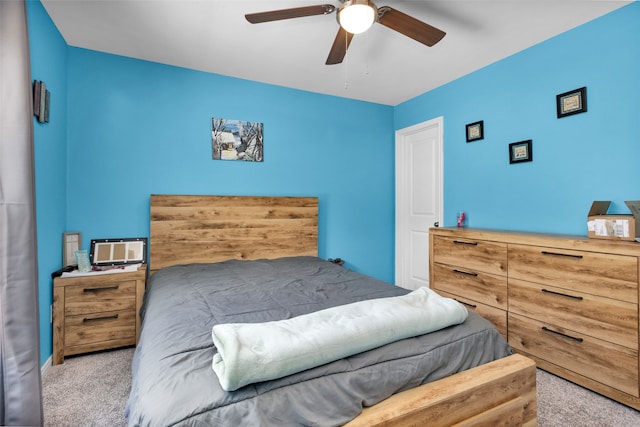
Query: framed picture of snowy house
{"x": 237, "y": 140}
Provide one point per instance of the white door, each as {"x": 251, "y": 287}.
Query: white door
{"x": 419, "y": 188}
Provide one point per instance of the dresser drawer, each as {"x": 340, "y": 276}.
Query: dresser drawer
{"x": 605, "y": 318}
{"x": 98, "y": 327}
{"x": 608, "y": 275}
{"x": 97, "y": 297}
{"x": 494, "y": 315}
{"x": 482, "y": 287}
{"x": 478, "y": 255}
{"x": 602, "y": 361}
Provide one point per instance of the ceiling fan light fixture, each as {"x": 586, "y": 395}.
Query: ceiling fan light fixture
{"x": 357, "y": 16}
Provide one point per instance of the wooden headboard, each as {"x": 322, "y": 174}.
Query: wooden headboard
{"x": 192, "y": 229}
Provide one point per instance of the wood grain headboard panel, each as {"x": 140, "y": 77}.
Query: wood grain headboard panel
{"x": 193, "y": 229}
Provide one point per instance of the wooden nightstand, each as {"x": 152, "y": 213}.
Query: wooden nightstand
{"x": 92, "y": 313}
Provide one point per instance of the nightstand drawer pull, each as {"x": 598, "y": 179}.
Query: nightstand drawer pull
{"x": 544, "y": 328}
{"x": 467, "y": 304}
{"x": 98, "y": 319}
{"x": 468, "y": 273}
{"x": 107, "y": 288}
{"x": 561, "y": 254}
{"x": 547, "y": 291}
{"x": 460, "y": 242}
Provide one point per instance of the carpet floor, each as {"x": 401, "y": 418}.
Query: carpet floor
{"x": 92, "y": 390}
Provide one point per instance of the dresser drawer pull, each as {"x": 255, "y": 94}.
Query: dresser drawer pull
{"x": 561, "y": 254}
{"x": 460, "y": 242}
{"x": 107, "y": 288}
{"x": 547, "y": 291}
{"x": 467, "y": 273}
{"x": 98, "y": 319}
{"x": 467, "y": 304}
{"x": 544, "y": 328}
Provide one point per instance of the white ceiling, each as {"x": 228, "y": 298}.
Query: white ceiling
{"x": 381, "y": 65}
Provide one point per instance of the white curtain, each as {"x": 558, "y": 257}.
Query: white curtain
{"x": 20, "y": 388}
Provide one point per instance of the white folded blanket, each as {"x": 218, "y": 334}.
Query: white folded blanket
{"x": 254, "y": 352}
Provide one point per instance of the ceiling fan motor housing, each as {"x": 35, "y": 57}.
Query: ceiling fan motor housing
{"x": 357, "y": 16}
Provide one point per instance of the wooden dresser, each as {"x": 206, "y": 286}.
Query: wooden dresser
{"x": 96, "y": 312}
{"x": 568, "y": 302}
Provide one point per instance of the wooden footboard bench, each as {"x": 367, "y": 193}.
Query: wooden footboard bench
{"x": 499, "y": 393}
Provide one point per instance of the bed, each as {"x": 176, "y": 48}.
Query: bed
{"x": 225, "y": 259}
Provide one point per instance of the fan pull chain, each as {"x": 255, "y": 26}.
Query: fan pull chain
{"x": 346, "y": 62}
{"x": 366, "y": 61}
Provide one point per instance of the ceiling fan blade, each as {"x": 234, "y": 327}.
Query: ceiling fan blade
{"x": 339, "y": 48}
{"x": 296, "y": 12}
{"x": 409, "y": 26}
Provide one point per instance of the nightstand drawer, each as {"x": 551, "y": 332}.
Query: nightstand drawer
{"x": 605, "y": 318}
{"x": 99, "y": 297}
{"x": 482, "y": 287}
{"x": 98, "y": 327}
{"x": 602, "y": 361}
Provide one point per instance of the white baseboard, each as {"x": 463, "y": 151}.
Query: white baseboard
{"x": 47, "y": 365}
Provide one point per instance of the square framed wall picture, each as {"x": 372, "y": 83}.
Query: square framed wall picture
{"x": 520, "y": 152}
{"x": 572, "y": 102}
{"x": 475, "y": 131}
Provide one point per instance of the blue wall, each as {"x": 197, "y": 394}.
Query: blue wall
{"x": 137, "y": 128}
{"x": 134, "y": 128}
{"x": 576, "y": 159}
{"x": 49, "y": 64}
{"x": 122, "y": 129}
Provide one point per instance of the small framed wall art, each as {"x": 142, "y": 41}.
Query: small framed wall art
{"x": 572, "y": 102}
{"x": 520, "y": 152}
{"x": 475, "y": 131}
{"x": 237, "y": 140}
{"x": 41, "y": 101}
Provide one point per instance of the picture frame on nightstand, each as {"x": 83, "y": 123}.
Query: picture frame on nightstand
{"x": 71, "y": 242}
{"x": 105, "y": 252}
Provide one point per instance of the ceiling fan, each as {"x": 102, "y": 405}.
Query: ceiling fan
{"x": 354, "y": 17}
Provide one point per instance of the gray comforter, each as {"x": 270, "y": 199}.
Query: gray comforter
{"x": 173, "y": 381}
